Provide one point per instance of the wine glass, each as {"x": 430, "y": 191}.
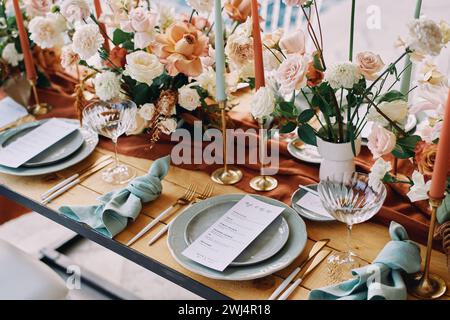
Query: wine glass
{"x": 350, "y": 199}
{"x": 112, "y": 119}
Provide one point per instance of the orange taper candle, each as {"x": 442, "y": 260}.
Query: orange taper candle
{"x": 257, "y": 47}
{"x": 98, "y": 13}
{"x": 441, "y": 165}
{"x": 24, "y": 44}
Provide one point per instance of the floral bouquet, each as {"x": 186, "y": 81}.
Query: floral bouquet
{"x": 162, "y": 61}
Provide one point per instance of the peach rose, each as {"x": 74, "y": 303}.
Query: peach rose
{"x": 314, "y": 76}
{"x": 381, "y": 141}
{"x": 238, "y": 10}
{"x": 199, "y": 22}
{"x": 369, "y": 64}
{"x": 180, "y": 49}
{"x": 293, "y": 42}
{"x": 425, "y": 157}
{"x": 117, "y": 57}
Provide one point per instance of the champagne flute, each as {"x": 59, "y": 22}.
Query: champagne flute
{"x": 112, "y": 119}
{"x": 350, "y": 199}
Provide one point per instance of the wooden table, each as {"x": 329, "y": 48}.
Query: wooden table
{"x": 369, "y": 238}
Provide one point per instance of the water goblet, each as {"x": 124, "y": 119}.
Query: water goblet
{"x": 350, "y": 199}
{"x": 112, "y": 119}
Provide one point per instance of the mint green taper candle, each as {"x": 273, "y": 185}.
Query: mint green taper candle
{"x": 220, "y": 53}
{"x": 406, "y": 78}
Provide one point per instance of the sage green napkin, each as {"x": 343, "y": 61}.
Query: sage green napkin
{"x": 382, "y": 279}
{"x": 117, "y": 207}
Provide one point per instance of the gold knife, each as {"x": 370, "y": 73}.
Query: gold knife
{"x": 77, "y": 181}
{"x": 73, "y": 177}
{"x": 317, "y": 260}
{"x": 319, "y": 245}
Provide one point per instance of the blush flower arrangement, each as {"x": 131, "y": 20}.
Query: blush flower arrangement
{"x": 162, "y": 61}
{"x": 340, "y": 100}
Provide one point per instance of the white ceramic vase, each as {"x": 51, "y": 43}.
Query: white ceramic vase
{"x": 337, "y": 158}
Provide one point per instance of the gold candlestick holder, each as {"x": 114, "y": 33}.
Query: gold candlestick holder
{"x": 263, "y": 182}
{"x": 228, "y": 174}
{"x": 39, "y": 108}
{"x": 425, "y": 285}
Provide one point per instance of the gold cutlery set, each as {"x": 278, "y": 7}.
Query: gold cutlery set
{"x": 189, "y": 198}
{"x": 75, "y": 179}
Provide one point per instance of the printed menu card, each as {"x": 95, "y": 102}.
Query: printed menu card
{"x": 312, "y": 202}
{"x": 224, "y": 241}
{"x": 10, "y": 111}
{"x": 34, "y": 142}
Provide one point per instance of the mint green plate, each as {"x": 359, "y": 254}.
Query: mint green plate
{"x": 88, "y": 146}
{"x": 289, "y": 252}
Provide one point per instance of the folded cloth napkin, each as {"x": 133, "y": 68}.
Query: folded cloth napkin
{"x": 382, "y": 279}
{"x": 117, "y": 207}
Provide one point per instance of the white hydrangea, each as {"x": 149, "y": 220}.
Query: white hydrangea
{"x": 263, "y": 103}
{"x": 425, "y": 36}
{"x": 207, "y": 80}
{"x": 11, "y": 55}
{"x": 107, "y": 85}
{"x": 87, "y": 40}
{"x": 188, "y": 98}
{"x": 343, "y": 75}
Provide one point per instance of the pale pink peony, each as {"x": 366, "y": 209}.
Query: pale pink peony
{"x": 293, "y": 42}
{"x": 381, "y": 141}
{"x": 142, "y": 20}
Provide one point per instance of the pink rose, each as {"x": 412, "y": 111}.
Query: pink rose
{"x": 381, "y": 141}
{"x": 292, "y": 3}
{"x": 35, "y": 8}
{"x": 293, "y": 42}
{"x": 369, "y": 64}
{"x": 291, "y": 75}
{"x": 142, "y": 20}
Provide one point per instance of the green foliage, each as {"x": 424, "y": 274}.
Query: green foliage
{"x": 288, "y": 127}
{"x": 405, "y": 146}
{"x": 307, "y": 134}
{"x": 392, "y": 95}
{"x": 443, "y": 212}
{"x": 306, "y": 115}
{"x": 120, "y": 37}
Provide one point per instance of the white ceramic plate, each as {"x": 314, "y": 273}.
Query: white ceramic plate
{"x": 306, "y": 153}
{"x": 290, "y": 251}
{"x": 89, "y": 144}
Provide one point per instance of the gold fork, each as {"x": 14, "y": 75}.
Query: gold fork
{"x": 207, "y": 192}
{"x": 186, "y": 198}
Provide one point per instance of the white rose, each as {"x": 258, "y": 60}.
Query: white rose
{"x": 188, "y": 98}
{"x": 263, "y": 103}
{"x": 167, "y": 126}
{"x": 343, "y": 75}
{"x": 143, "y": 67}
{"x": 202, "y": 6}
{"x": 107, "y": 85}
{"x": 147, "y": 111}
{"x": 11, "y": 55}
{"x": 378, "y": 171}
{"x": 47, "y": 32}
{"x": 291, "y": 75}
{"x": 87, "y": 40}
{"x": 418, "y": 191}
{"x": 395, "y": 110}
{"x": 207, "y": 80}
{"x": 75, "y": 10}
